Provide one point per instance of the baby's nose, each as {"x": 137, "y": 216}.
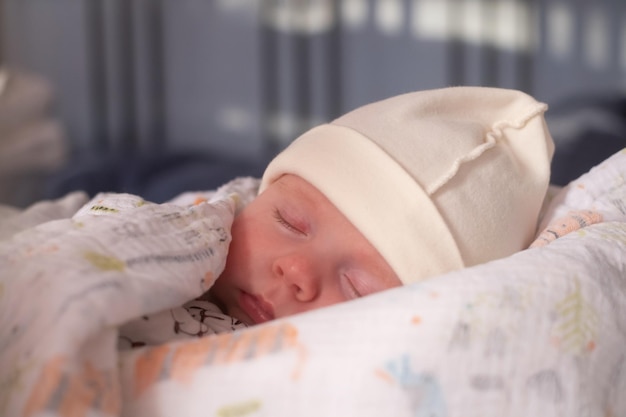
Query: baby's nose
{"x": 299, "y": 274}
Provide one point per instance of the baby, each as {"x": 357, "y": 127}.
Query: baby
{"x": 294, "y": 251}
{"x": 391, "y": 193}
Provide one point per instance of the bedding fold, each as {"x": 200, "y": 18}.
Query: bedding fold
{"x": 541, "y": 332}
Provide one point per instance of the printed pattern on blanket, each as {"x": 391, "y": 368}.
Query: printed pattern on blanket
{"x": 196, "y": 318}
{"x": 68, "y": 284}
{"x": 539, "y": 333}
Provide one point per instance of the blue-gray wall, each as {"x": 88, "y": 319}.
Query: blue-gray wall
{"x": 244, "y": 77}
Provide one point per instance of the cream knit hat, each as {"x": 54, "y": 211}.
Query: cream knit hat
{"x": 436, "y": 180}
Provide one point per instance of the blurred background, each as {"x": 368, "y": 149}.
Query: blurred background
{"x": 156, "y": 97}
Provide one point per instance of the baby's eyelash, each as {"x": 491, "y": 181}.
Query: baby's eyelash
{"x": 280, "y": 219}
{"x": 354, "y": 291}
{"x": 351, "y": 289}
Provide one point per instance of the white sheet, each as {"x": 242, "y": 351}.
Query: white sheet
{"x": 541, "y": 333}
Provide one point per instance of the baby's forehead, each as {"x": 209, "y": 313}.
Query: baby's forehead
{"x": 291, "y": 190}
{"x": 296, "y": 186}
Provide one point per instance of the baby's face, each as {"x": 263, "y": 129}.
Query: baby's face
{"x": 293, "y": 251}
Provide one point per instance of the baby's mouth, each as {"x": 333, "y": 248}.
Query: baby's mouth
{"x": 256, "y": 307}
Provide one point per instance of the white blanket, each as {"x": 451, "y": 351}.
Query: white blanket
{"x": 541, "y": 333}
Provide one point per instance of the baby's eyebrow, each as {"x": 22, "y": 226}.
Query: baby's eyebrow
{"x": 300, "y": 192}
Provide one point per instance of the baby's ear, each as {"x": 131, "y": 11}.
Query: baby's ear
{"x": 573, "y": 221}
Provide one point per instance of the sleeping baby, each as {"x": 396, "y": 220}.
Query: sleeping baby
{"x": 391, "y": 193}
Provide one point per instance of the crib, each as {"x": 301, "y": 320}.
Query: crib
{"x": 237, "y": 80}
